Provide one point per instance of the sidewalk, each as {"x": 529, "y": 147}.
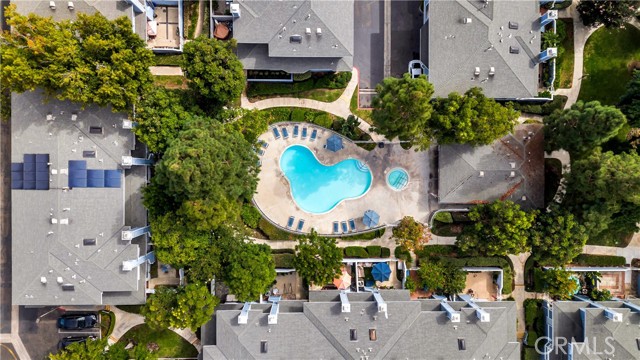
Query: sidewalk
{"x": 166, "y": 70}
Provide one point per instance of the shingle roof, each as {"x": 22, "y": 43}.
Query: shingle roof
{"x": 321, "y": 331}
{"x": 460, "y": 167}
{"x": 41, "y": 248}
{"x": 456, "y": 48}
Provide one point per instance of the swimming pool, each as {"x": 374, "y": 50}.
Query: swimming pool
{"x": 317, "y": 188}
{"x": 398, "y": 179}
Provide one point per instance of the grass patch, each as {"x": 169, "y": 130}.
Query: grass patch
{"x": 321, "y": 87}
{"x": 364, "y": 114}
{"x": 324, "y": 95}
{"x": 530, "y": 353}
{"x": 552, "y": 177}
{"x": 168, "y": 59}
{"x": 134, "y": 309}
{"x": 171, "y": 344}
{"x": 608, "y": 55}
{"x": 283, "y": 261}
{"x": 107, "y": 323}
{"x": 170, "y": 81}
{"x": 564, "y": 63}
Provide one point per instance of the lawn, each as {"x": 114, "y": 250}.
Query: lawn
{"x": 364, "y": 114}
{"x": 324, "y": 95}
{"x": 564, "y": 63}
{"x": 318, "y": 86}
{"x": 168, "y": 59}
{"x": 171, "y": 345}
{"x": 608, "y": 56}
{"x": 170, "y": 81}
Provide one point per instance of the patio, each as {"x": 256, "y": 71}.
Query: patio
{"x": 480, "y": 286}
{"x": 273, "y": 196}
{"x": 164, "y": 30}
{"x": 289, "y": 286}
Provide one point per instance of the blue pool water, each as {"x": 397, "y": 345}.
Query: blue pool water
{"x": 398, "y": 179}
{"x": 317, "y": 188}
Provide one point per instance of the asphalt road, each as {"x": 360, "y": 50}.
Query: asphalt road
{"x": 368, "y": 54}
{"x": 406, "y": 22}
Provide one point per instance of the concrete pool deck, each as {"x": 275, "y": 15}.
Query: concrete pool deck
{"x": 273, "y": 196}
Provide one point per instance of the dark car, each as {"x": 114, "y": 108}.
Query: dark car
{"x": 63, "y": 343}
{"x": 77, "y": 321}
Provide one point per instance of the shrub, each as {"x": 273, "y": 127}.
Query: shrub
{"x": 274, "y": 233}
{"x": 429, "y": 250}
{"x": 250, "y": 216}
{"x": 364, "y": 236}
{"x": 530, "y": 312}
{"x": 298, "y": 115}
{"x": 599, "y": 260}
{"x": 324, "y": 120}
{"x": 334, "y": 81}
{"x": 540, "y": 108}
{"x": 374, "y": 251}
{"x": 302, "y": 77}
{"x": 410, "y": 285}
{"x": 355, "y": 252}
{"x": 403, "y": 254}
{"x": 385, "y": 252}
{"x": 443, "y": 217}
{"x": 283, "y": 251}
{"x": 283, "y": 261}
{"x": 532, "y": 337}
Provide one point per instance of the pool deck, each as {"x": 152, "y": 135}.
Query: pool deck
{"x": 274, "y": 199}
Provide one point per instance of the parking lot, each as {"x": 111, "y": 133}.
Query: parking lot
{"x": 41, "y": 337}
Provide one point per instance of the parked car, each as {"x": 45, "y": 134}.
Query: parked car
{"x": 77, "y": 321}
{"x": 63, "y": 343}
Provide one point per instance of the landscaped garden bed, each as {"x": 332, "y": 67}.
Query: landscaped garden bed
{"x": 325, "y": 87}
{"x": 565, "y": 60}
{"x": 449, "y": 223}
{"x": 170, "y": 344}
{"x": 599, "y": 260}
{"x": 534, "y": 320}
{"x": 538, "y": 107}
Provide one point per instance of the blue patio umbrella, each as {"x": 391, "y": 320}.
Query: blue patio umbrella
{"x": 381, "y": 271}
{"x": 334, "y": 143}
{"x": 371, "y": 218}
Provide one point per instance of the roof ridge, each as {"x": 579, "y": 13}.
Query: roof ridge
{"x": 313, "y": 319}
{"x": 513, "y": 72}
{"x": 398, "y": 334}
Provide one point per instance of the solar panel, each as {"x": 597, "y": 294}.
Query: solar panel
{"x": 42, "y": 176}
{"x": 42, "y": 185}
{"x": 16, "y": 184}
{"x": 95, "y": 130}
{"x": 29, "y": 176}
{"x": 112, "y": 178}
{"x": 42, "y": 158}
{"x": 77, "y": 164}
{"x": 29, "y": 158}
{"x": 77, "y": 182}
{"x": 42, "y": 166}
{"x": 29, "y": 167}
{"x": 16, "y": 167}
{"x": 29, "y": 185}
{"x": 17, "y": 175}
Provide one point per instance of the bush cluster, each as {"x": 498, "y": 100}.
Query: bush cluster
{"x": 443, "y": 217}
{"x": 599, "y": 260}
{"x": 372, "y": 251}
{"x": 283, "y": 261}
{"x": 540, "y": 109}
{"x": 250, "y": 216}
{"x": 403, "y": 254}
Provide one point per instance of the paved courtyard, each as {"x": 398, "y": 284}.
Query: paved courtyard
{"x": 274, "y": 198}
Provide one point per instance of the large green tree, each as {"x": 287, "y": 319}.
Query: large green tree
{"x": 89, "y": 60}
{"x": 610, "y": 13}
{"x": 318, "y": 259}
{"x": 250, "y": 271}
{"x": 205, "y": 174}
{"x": 557, "y": 238}
{"x": 250, "y": 123}
{"x": 582, "y": 128}
{"x": 215, "y": 74}
{"x": 189, "y": 306}
{"x": 630, "y": 101}
{"x": 442, "y": 278}
{"x": 471, "y": 118}
{"x": 559, "y": 283}
{"x": 499, "y": 228}
{"x": 403, "y": 108}
{"x": 99, "y": 350}
{"x": 411, "y": 234}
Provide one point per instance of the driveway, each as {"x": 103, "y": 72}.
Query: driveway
{"x": 406, "y": 21}
{"x": 369, "y": 46}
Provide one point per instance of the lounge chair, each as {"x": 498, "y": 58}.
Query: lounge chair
{"x": 300, "y": 225}
{"x": 344, "y": 227}
{"x": 260, "y": 152}
{"x": 264, "y": 144}
{"x": 276, "y": 133}
{"x": 285, "y": 133}
{"x": 336, "y": 228}
{"x": 304, "y": 133}
{"x": 314, "y": 134}
{"x": 295, "y": 131}
{"x": 259, "y": 163}
{"x": 290, "y": 222}
{"x": 352, "y": 224}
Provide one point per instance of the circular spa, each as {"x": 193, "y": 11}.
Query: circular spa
{"x": 397, "y": 179}
{"x": 317, "y": 188}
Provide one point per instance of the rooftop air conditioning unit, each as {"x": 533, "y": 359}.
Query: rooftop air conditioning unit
{"x": 235, "y": 10}
{"x": 59, "y": 280}
{"x": 512, "y": 174}
{"x": 481, "y": 174}
{"x": 43, "y": 279}
{"x": 467, "y": 20}
{"x": 492, "y": 71}
{"x": 308, "y": 31}
{"x": 476, "y": 71}
{"x": 52, "y": 5}
{"x": 70, "y": 5}
{"x": 319, "y": 31}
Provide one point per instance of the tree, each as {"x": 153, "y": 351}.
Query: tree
{"x": 206, "y": 174}
{"x": 250, "y": 271}
{"x": 439, "y": 277}
{"x": 600, "y": 295}
{"x": 500, "y": 228}
{"x": 471, "y": 118}
{"x": 582, "y": 127}
{"x": 403, "y": 108}
{"x": 89, "y": 60}
{"x": 556, "y": 238}
{"x": 249, "y": 123}
{"x": 318, "y": 259}
{"x": 559, "y": 283}
{"x": 411, "y": 234}
{"x": 630, "y": 101}
{"x": 189, "y": 306}
{"x": 175, "y": 244}
{"x": 97, "y": 350}
{"x": 611, "y": 14}
{"x": 215, "y": 74}
{"x": 160, "y": 117}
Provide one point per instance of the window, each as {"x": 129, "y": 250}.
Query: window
{"x": 95, "y": 129}
{"x": 89, "y": 242}
{"x": 353, "y": 334}
{"x": 373, "y": 336}
{"x": 461, "y": 345}
{"x": 263, "y": 347}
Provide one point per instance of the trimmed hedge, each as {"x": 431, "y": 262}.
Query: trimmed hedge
{"x": 599, "y": 260}
{"x": 385, "y": 252}
{"x": 274, "y": 233}
{"x": 283, "y": 251}
{"x": 315, "y": 81}
{"x": 430, "y": 250}
{"x": 539, "y": 108}
{"x": 283, "y": 261}
{"x": 443, "y": 217}
{"x": 374, "y": 250}
{"x": 365, "y": 236}
{"x": 355, "y": 252}
{"x": 403, "y": 254}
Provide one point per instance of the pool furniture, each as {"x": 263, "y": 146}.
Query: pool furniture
{"x": 295, "y": 131}
{"x": 336, "y": 229}
{"x": 260, "y": 152}
{"x": 264, "y": 144}
{"x": 352, "y": 224}
{"x": 300, "y": 225}
{"x": 259, "y": 162}
{"x": 334, "y": 143}
{"x": 344, "y": 227}
{"x": 276, "y": 133}
{"x": 370, "y": 218}
{"x": 290, "y": 222}
{"x": 304, "y": 133}
{"x": 314, "y": 134}
{"x": 285, "y": 133}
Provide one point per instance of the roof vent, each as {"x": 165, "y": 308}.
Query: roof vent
{"x": 307, "y": 31}
{"x": 43, "y": 279}
{"x": 64, "y": 221}
{"x": 514, "y": 49}
{"x": 481, "y": 174}
{"x": 461, "y": 345}
{"x": 492, "y": 71}
{"x": 52, "y": 5}
{"x": 513, "y": 165}
{"x": 476, "y": 72}
{"x": 319, "y": 31}
{"x": 524, "y": 198}
{"x": 89, "y": 242}
{"x": 467, "y": 20}
{"x": 54, "y": 220}
{"x": 263, "y": 347}
{"x": 59, "y": 280}
{"x": 297, "y": 39}
{"x": 513, "y": 25}
{"x": 235, "y": 10}
{"x": 512, "y": 174}
{"x": 70, "y": 5}
{"x": 74, "y": 116}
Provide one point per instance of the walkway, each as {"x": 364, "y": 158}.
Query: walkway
{"x": 519, "y": 294}
{"x": 166, "y": 70}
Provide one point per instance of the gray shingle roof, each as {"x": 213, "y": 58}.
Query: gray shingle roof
{"x": 256, "y": 56}
{"x": 321, "y": 331}
{"x": 42, "y": 249}
{"x": 460, "y": 182}
{"x": 272, "y": 23}
{"x": 455, "y": 49}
